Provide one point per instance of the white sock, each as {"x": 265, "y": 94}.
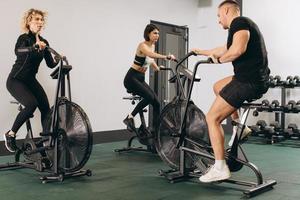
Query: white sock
{"x": 237, "y": 120}
{"x": 130, "y": 115}
{"x": 220, "y": 164}
{"x": 11, "y": 133}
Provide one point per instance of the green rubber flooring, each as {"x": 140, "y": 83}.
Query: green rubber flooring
{"x": 134, "y": 176}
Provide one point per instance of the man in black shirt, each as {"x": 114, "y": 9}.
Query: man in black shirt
{"x": 246, "y": 50}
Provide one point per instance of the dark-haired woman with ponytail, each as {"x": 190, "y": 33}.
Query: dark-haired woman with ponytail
{"x": 135, "y": 78}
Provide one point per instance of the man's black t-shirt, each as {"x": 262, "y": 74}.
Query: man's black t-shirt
{"x": 253, "y": 64}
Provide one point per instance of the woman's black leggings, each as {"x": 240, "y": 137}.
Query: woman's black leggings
{"x": 135, "y": 83}
{"x": 31, "y": 95}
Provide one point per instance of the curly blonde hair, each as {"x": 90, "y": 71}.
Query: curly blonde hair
{"x": 28, "y": 17}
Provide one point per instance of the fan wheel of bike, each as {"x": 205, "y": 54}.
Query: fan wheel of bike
{"x": 74, "y": 137}
{"x": 168, "y": 135}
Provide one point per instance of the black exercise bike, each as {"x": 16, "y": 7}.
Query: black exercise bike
{"x": 183, "y": 142}
{"x": 143, "y": 134}
{"x": 65, "y": 144}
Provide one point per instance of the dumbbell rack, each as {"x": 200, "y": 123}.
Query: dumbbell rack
{"x": 281, "y": 115}
{"x": 281, "y": 111}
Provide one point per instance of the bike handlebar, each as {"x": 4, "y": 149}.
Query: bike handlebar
{"x": 57, "y": 56}
{"x": 165, "y": 68}
{"x": 184, "y": 58}
{"x": 184, "y": 70}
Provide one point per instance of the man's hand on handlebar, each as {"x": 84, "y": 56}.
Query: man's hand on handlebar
{"x": 214, "y": 59}
{"x": 195, "y": 51}
{"x": 171, "y": 57}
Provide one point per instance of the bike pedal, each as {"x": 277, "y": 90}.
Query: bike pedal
{"x": 175, "y": 135}
{"x": 41, "y": 141}
{"x": 46, "y": 163}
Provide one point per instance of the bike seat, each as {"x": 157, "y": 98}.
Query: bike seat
{"x": 129, "y": 91}
{"x": 133, "y": 97}
{"x": 132, "y": 93}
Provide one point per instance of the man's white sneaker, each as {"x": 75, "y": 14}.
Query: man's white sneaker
{"x": 245, "y": 133}
{"x": 214, "y": 174}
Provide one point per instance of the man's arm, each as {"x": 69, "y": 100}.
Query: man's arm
{"x": 218, "y": 51}
{"x": 238, "y": 47}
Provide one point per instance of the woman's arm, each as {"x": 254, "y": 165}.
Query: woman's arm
{"x": 48, "y": 57}
{"x": 148, "y": 52}
{"x": 23, "y": 45}
{"x": 154, "y": 66}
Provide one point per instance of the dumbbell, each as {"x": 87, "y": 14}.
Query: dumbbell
{"x": 292, "y": 106}
{"x": 278, "y": 132}
{"x": 265, "y": 105}
{"x": 274, "y": 126}
{"x": 270, "y": 81}
{"x": 259, "y": 128}
{"x": 292, "y": 132}
{"x": 274, "y": 132}
{"x": 265, "y": 102}
{"x": 255, "y": 112}
{"x": 289, "y": 81}
{"x": 297, "y": 107}
{"x": 289, "y": 107}
{"x": 274, "y": 81}
{"x": 274, "y": 105}
{"x": 296, "y": 81}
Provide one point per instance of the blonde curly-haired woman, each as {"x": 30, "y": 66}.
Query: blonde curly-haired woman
{"x": 22, "y": 84}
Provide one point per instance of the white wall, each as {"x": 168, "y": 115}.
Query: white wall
{"x": 278, "y": 21}
{"x": 99, "y": 38}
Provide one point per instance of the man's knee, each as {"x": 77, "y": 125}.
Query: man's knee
{"x": 213, "y": 118}
{"x": 219, "y": 85}
{"x": 216, "y": 88}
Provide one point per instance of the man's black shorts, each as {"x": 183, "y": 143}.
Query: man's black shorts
{"x": 236, "y": 92}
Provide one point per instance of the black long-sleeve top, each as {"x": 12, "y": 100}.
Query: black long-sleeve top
{"x": 28, "y": 58}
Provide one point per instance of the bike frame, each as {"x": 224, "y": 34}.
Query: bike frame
{"x": 236, "y": 153}
{"x": 60, "y": 73}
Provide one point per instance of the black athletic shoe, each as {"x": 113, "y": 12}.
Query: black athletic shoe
{"x": 130, "y": 124}
{"x": 10, "y": 142}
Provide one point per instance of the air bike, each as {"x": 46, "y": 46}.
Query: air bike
{"x": 65, "y": 144}
{"x": 183, "y": 142}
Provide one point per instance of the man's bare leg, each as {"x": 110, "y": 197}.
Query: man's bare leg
{"x": 218, "y": 86}
{"x": 217, "y": 113}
